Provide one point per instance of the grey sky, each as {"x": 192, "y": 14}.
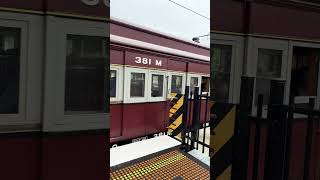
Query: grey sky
{"x": 167, "y": 17}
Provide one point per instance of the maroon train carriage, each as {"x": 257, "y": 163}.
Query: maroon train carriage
{"x": 146, "y": 66}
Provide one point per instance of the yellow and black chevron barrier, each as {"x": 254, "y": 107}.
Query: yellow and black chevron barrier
{"x": 221, "y": 140}
{"x": 176, "y": 124}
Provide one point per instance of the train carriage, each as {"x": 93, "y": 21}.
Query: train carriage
{"x": 146, "y": 67}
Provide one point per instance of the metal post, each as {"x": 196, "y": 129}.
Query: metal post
{"x": 185, "y": 115}
{"x": 275, "y": 164}
{"x": 205, "y": 118}
{"x": 257, "y": 138}
{"x": 242, "y": 131}
{"x": 195, "y": 118}
{"x": 308, "y": 145}
{"x": 289, "y": 135}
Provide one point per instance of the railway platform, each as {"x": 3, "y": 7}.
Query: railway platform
{"x": 154, "y": 158}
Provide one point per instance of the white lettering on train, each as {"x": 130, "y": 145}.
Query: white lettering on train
{"x": 147, "y": 61}
{"x": 140, "y": 139}
{"x": 158, "y": 63}
{"x": 96, "y": 2}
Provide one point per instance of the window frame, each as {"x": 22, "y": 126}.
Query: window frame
{"x": 127, "y": 85}
{"x": 54, "y": 116}
{"x": 237, "y": 61}
{"x": 301, "y": 99}
{"x": 23, "y": 27}
{"x": 191, "y": 75}
{"x": 119, "y": 85}
{"x": 29, "y": 114}
{"x": 164, "y": 88}
{"x": 207, "y": 76}
{"x": 170, "y": 74}
{"x": 254, "y": 45}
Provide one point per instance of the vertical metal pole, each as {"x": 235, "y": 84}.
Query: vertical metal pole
{"x": 275, "y": 166}
{"x": 189, "y": 118}
{"x": 308, "y": 145}
{"x": 185, "y": 115}
{"x": 205, "y": 123}
{"x": 289, "y": 136}
{"x": 257, "y": 138}
{"x": 199, "y": 118}
{"x": 242, "y": 131}
{"x": 195, "y": 118}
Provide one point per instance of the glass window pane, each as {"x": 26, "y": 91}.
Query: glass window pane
{"x": 176, "y": 84}
{"x": 304, "y": 71}
{"x": 220, "y": 71}
{"x": 157, "y": 86}
{"x": 262, "y": 87}
{"x": 86, "y": 70}
{"x": 193, "y": 84}
{"x": 9, "y": 70}
{"x": 137, "y": 85}
{"x": 221, "y": 87}
{"x": 205, "y": 84}
{"x": 269, "y": 63}
{"x": 113, "y": 83}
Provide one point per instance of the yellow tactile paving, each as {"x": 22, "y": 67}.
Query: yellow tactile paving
{"x": 166, "y": 166}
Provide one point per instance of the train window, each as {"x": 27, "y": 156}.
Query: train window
{"x": 304, "y": 73}
{"x": 194, "y": 82}
{"x": 269, "y": 63}
{"x": 9, "y": 70}
{"x": 205, "y": 84}
{"x": 157, "y": 85}
{"x": 113, "y": 83}
{"x": 85, "y": 86}
{"x": 269, "y": 67}
{"x": 137, "y": 84}
{"x": 176, "y": 84}
{"x": 221, "y": 71}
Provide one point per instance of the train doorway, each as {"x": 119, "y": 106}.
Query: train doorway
{"x": 304, "y": 74}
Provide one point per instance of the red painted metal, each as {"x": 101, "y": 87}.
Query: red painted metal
{"x": 76, "y": 7}
{"x": 298, "y": 139}
{"x": 130, "y": 59}
{"x": 139, "y": 119}
{"x": 267, "y": 18}
{"x": 175, "y": 65}
{"x": 227, "y": 15}
{"x": 116, "y": 118}
{"x": 36, "y": 5}
{"x": 79, "y": 157}
{"x": 128, "y": 31}
{"x": 20, "y": 158}
{"x": 199, "y": 68}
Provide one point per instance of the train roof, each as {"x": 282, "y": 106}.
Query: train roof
{"x": 131, "y": 34}
{"x": 170, "y": 36}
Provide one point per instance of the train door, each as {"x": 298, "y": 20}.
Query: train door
{"x": 154, "y": 116}
{"x": 135, "y": 101}
{"x": 116, "y": 98}
{"x": 116, "y": 93}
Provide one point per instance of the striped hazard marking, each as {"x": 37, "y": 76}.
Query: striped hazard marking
{"x": 221, "y": 136}
{"x": 175, "y": 114}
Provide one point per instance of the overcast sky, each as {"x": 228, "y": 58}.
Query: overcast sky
{"x": 167, "y": 17}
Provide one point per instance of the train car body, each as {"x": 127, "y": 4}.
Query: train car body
{"x": 146, "y": 66}
{"x": 271, "y": 41}
{"x": 50, "y": 125}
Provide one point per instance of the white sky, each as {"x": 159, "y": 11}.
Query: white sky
{"x": 167, "y": 17}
